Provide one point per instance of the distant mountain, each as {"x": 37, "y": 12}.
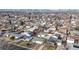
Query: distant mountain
{"x": 39, "y": 10}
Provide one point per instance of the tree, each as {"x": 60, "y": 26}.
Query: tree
{"x": 56, "y": 26}
{"x": 59, "y": 37}
{"x": 55, "y": 45}
{"x": 21, "y": 23}
{"x": 12, "y": 37}
{"x": 76, "y": 41}
{"x": 71, "y": 17}
{"x": 10, "y": 22}
{"x": 64, "y": 42}
{"x": 77, "y": 28}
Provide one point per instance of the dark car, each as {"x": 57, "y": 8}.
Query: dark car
{"x": 76, "y": 45}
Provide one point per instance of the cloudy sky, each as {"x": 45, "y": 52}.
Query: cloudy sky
{"x": 39, "y": 4}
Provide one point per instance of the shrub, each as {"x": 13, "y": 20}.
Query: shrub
{"x": 77, "y": 28}
{"x": 12, "y": 37}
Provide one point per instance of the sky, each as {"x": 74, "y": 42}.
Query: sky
{"x": 39, "y": 4}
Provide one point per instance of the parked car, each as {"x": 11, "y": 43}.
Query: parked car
{"x": 76, "y": 44}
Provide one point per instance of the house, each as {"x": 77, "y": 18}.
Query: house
{"x": 33, "y": 28}
{"x": 53, "y": 39}
{"x": 74, "y": 32}
{"x": 27, "y": 33}
{"x": 62, "y": 30}
{"x": 44, "y": 35}
{"x": 16, "y": 35}
{"x": 37, "y": 40}
{"x": 28, "y": 38}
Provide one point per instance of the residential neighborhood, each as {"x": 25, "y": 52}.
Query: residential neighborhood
{"x": 39, "y": 30}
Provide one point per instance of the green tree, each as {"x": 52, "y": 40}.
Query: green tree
{"x": 77, "y": 28}
{"x": 21, "y": 23}
{"x": 12, "y": 37}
